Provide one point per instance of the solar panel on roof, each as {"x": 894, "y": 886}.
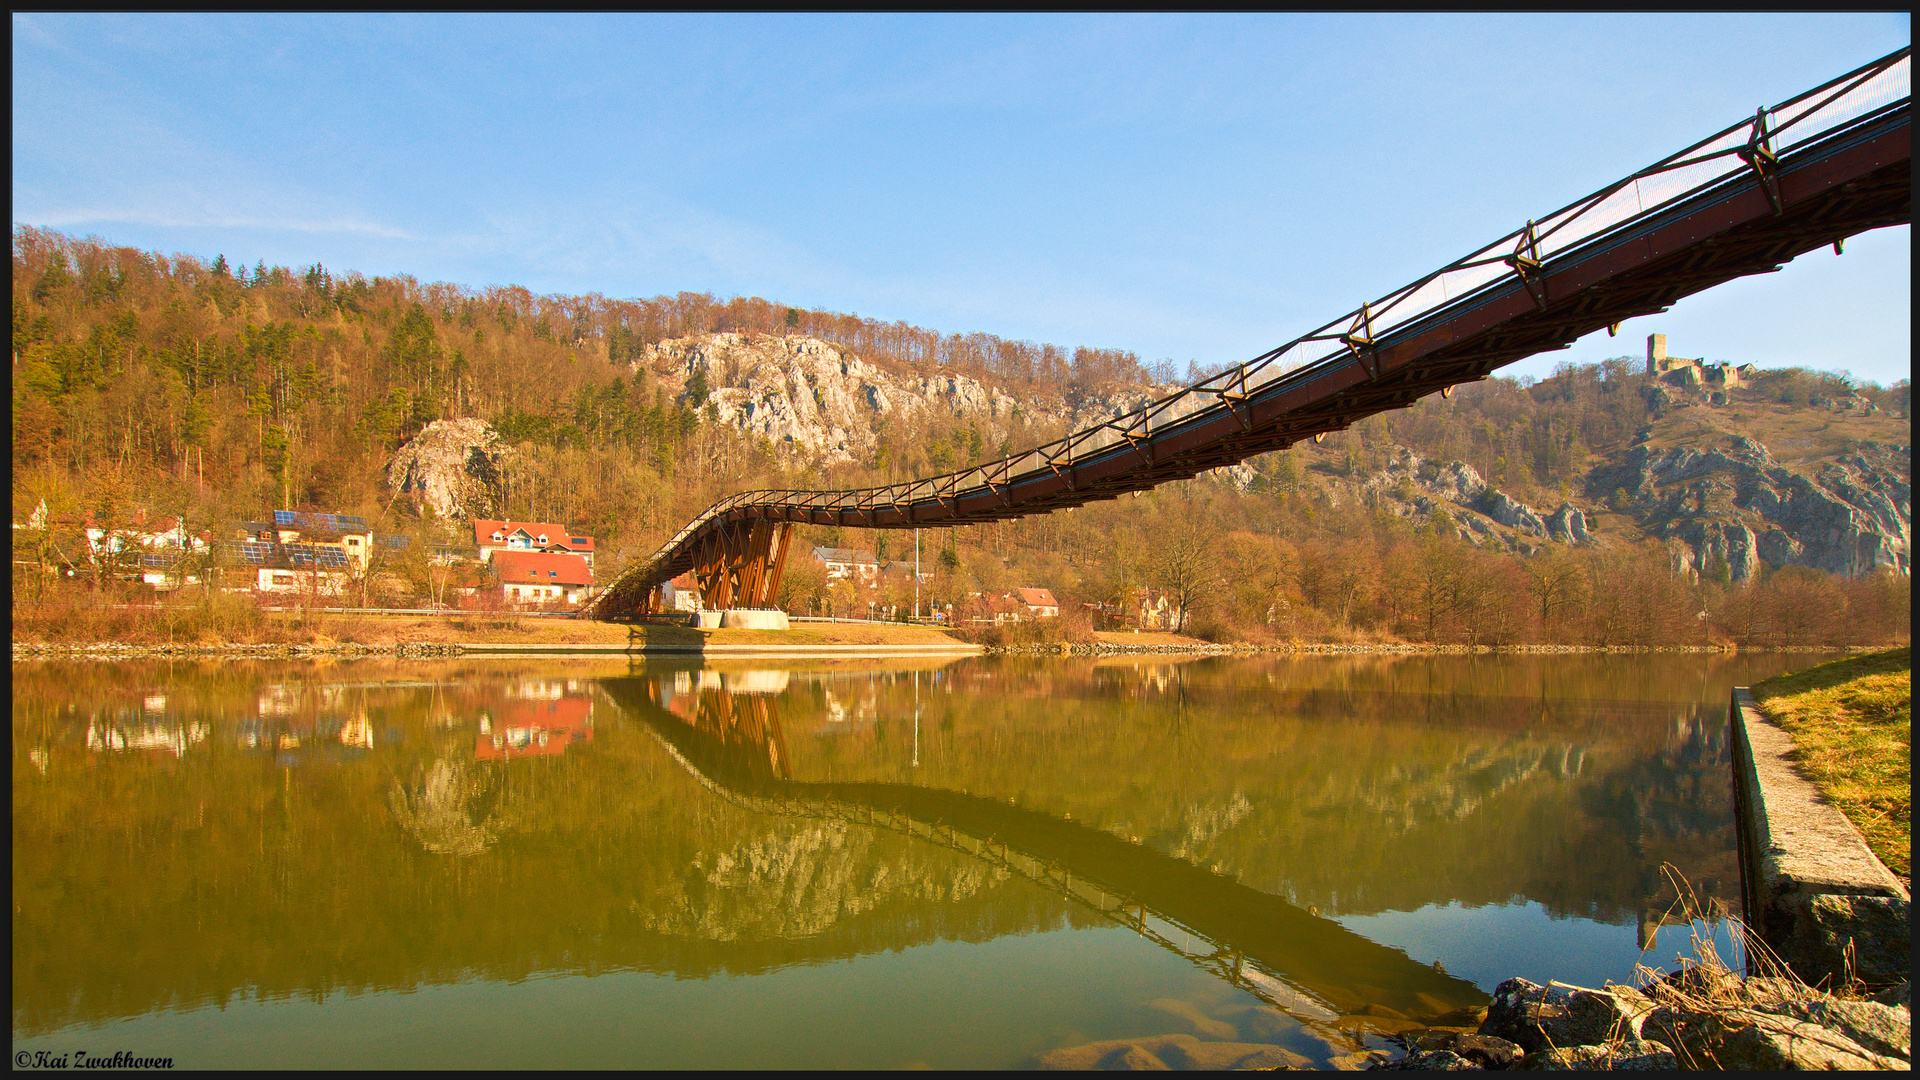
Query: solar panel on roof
{"x": 283, "y": 517}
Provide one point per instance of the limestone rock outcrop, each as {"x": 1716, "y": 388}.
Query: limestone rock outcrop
{"x": 452, "y": 467}
{"x": 803, "y": 395}
{"x": 1736, "y": 505}
{"x": 1472, "y": 502}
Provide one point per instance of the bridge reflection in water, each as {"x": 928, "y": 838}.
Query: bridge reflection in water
{"x": 727, "y": 734}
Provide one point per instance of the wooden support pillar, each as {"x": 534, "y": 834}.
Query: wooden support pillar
{"x": 770, "y": 594}
{"x": 754, "y": 559}
{"x": 710, "y": 569}
{"x": 726, "y": 559}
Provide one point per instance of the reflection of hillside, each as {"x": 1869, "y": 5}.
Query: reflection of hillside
{"x": 1379, "y": 785}
{"x": 413, "y": 864}
{"x": 1247, "y": 931}
{"x": 260, "y": 871}
{"x": 802, "y": 881}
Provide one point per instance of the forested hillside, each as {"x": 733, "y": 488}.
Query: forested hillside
{"x": 146, "y": 384}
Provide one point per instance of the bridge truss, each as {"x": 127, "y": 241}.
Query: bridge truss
{"x": 1807, "y": 173}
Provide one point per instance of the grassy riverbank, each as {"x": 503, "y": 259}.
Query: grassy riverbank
{"x": 227, "y": 623}
{"x": 1852, "y": 727}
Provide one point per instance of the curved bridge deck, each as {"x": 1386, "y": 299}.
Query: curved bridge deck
{"x": 1806, "y": 174}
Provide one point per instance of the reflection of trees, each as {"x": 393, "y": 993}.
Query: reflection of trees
{"x": 255, "y": 877}
{"x": 1367, "y": 785}
{"x": 146, "y": 882}
{"x": 1310, "y": 966}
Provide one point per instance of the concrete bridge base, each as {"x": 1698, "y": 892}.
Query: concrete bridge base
{"x": 741, "y": 619}
{"x": 755, "y": 619}
{"x": 1814, "y": 893}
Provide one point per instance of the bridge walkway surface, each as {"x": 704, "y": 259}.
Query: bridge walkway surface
{"x": 1805, "y": 174}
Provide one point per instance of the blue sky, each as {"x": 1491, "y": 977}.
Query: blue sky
{"x": 1194, "y": 188}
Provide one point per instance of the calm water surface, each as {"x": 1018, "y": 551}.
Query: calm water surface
{"x": 862, "y": 864}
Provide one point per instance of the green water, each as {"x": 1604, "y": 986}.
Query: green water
{"x": 849, "y": 864}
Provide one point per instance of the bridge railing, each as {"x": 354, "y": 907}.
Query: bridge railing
{"x": 1751, "y": 146}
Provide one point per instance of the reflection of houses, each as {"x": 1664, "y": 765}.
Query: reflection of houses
{"x": 535, "y": 728}
{"x": 148, "y": 736}
{"x": 493, "y": 536}
{"x": 542, "y": 577}
{"x": 844, "y": 563}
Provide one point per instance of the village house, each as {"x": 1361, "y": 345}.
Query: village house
{"x": 680, "y": 594}
{"x": 1152, "y": 609}
{"x": 844, "y": 563}
{"x": 1021, "y": 605}
{"x": 143, "y": 548}
{"x": 350, "y": 535}
{"x": 529, "y": 578}
{"x": 491, "y": 536}
{"x": 1141, "y": 609}
{"x": 289, "y": 580}
{"x": 297, "y": 553}
{"x": 1039, "y": 603}
{"x": 992, "y": 609}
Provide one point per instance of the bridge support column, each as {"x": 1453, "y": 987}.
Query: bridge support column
{"x": 740, "y": 564}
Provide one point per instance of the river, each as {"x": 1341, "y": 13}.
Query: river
{"x": 966, "y": 863}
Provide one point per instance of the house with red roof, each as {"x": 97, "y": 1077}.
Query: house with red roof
{"x": 1040, "y": 603}
{"x": 492, "y": 535}
{"x": 528, "y": 578}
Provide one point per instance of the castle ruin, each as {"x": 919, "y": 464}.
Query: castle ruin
{"x": 1692, "y": 374}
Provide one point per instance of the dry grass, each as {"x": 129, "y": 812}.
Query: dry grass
{"x": 1146, "y": 639}
{"x": 1793, "y": 434}
{"x": 1852, "y": 727}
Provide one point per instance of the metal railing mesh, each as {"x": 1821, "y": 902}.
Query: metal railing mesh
{"x": 1849, "y": 100}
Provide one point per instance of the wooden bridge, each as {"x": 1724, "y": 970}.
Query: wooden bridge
{"x": 1802, "y": 175}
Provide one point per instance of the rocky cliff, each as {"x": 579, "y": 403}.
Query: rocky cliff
{"x": 1736, "y": 504}
{"x": 453, "y": 467}
{"x": 1719, "y": 499}
{"x": 1730, "y": 506}
{"x": 810, "y": 398}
